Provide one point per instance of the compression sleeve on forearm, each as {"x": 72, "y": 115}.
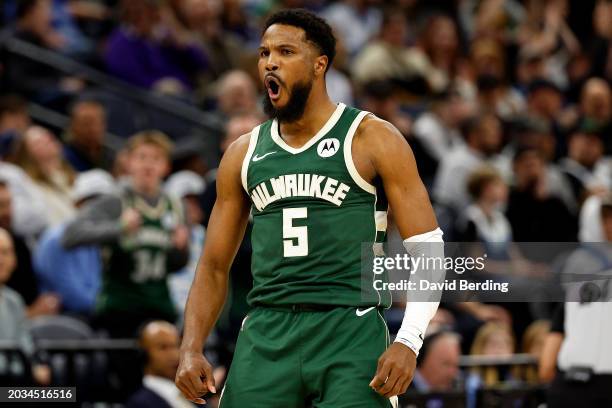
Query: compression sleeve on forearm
{"x": 419, "y": 311}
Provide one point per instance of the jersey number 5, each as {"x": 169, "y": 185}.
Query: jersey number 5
{"x": 295, "y": 239}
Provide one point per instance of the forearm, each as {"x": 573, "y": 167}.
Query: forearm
{"x": 206, "y": 299}
{"x": 89, "y": 233}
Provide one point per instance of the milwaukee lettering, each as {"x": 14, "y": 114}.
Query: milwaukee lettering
{"x": 298, "y": 185}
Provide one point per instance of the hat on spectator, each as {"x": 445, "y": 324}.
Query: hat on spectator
{"x": 542, "y": 83}
{"x": 92, "y": 183}
{"x": 185, "y": 183}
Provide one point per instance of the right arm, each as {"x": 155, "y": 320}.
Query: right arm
{"x": 207, "y": 295}
{"x": 97, "y": 223}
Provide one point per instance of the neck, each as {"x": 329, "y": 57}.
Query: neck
{"x": 318, "y": 110}
{"x": 486, "y": 207}
{"x": 145, "y": 190}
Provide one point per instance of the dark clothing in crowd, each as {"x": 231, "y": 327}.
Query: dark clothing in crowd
{"x": 539, "y": 220}
{"x": 143, "y": 62}
{"x": 23, "y": 280}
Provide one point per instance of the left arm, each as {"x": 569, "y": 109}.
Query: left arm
{"x": 380, "y": 150}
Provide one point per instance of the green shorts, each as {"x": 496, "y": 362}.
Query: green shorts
{"x": 322, "y": 359}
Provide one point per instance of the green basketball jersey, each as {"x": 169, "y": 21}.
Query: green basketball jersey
{"x": 135, "y": 275}
{"x": 312, "y": 212}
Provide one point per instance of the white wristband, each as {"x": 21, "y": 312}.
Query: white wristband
{"x": 418, "y": 314}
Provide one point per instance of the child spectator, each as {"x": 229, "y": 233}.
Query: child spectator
{"x": 143, "y": 236}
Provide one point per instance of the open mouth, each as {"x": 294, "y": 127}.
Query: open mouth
{"x": 273, "y": 86}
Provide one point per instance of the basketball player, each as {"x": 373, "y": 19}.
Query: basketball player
{"x": 316, "y": 178}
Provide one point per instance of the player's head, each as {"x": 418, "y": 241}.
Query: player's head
{"x": 8, "y": 261}
{"x": 148, "y": 159}
{"x": 297, "y": 48}
{"x": 159, "y": 341}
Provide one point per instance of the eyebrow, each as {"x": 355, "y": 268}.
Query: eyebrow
{"x": 281, "y": 45}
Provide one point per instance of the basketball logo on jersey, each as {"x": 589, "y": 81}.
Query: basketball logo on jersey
{"x": 328, "y": 147}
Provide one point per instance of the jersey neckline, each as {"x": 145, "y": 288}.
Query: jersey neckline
{"x": 331, "y": 122}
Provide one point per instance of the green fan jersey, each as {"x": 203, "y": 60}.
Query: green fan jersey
{"x": 312, "y": 213}
{"x": 135, "y": 275}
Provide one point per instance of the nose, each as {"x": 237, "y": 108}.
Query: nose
{"x": 271, "y": 64}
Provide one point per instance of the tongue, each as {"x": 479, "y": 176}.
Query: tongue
{"x": 271, "y": 92}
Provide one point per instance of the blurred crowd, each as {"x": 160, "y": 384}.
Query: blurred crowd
{"x": 507, "y": 105}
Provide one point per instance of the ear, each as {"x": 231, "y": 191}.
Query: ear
{"x": 320, "y": 65}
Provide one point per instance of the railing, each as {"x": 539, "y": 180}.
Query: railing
{"x": 129, "y": 108}
{"x": 125, "y": 90}
{"x": 53, "y": 119}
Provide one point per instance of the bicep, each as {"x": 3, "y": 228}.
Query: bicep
{"x": 394, "y": 162}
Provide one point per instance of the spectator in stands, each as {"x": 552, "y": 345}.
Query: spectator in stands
{"x": 536, "y": 215}
{"x": 354, "y": 21}
{"x": 14, "y": 120}
{"x": 224, "y": 49}
{"x": 39, "y": 153}
{"x": 75, "y": 274}
{"x": 143, "y": 232}
{"x": 146, "y": 54}
{"x": 437, "y": 128}
{"x": 585, "y": 167}
{"x": 596, "y": 102}
{"x": 438, "y": 363}
{"x": 544, "y": 101}
{"x": 484, "y": 220}
{"x": 601, "y": 50}
{"x": 34, "y": 24}
{"x": 492, "y": 339}
{"x": 187, "y": 186}
{"x": 533, "y": 343}
{"x": 84, "y": 138}
{"x": 439, "y": 45}
{"x": 545, "y": 32}
{"x": 236, "y": 94}
{"x": 28, "y": 209}
{"x": 13, "y": 315}
{"x": 26, "y": 75}
{"x": 537, "y": 133}
{"x": 483, "y": 136}
{"x": 594, "y": 110}
{"x": 159, "y": 343}
{"x": 23, "y": 280}
{"x": 388, "y": 58}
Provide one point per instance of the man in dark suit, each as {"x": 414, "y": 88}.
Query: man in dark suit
{"x": 159, "y": 341}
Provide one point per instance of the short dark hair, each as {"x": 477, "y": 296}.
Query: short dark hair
{"x": 317, "y": 30}
{"x": 24, "y": 7}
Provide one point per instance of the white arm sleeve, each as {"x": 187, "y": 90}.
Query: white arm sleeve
{"x": 419, "y": 312}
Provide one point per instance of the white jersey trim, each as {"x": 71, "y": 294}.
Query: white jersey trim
{"x": 331, "y": 122}
{"x": 247, "y": 157}
{"x": 348, "y": 155}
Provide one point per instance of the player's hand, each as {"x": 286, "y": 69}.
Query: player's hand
{"x": 194, "y": 377}
{"x": 395, "y": 371}
{"x": 130, "y": 220}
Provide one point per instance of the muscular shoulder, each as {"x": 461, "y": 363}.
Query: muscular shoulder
{"x": 238, "y": 149}
{"x": 378, "y": 139}
{"x": 230, "y": 168}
